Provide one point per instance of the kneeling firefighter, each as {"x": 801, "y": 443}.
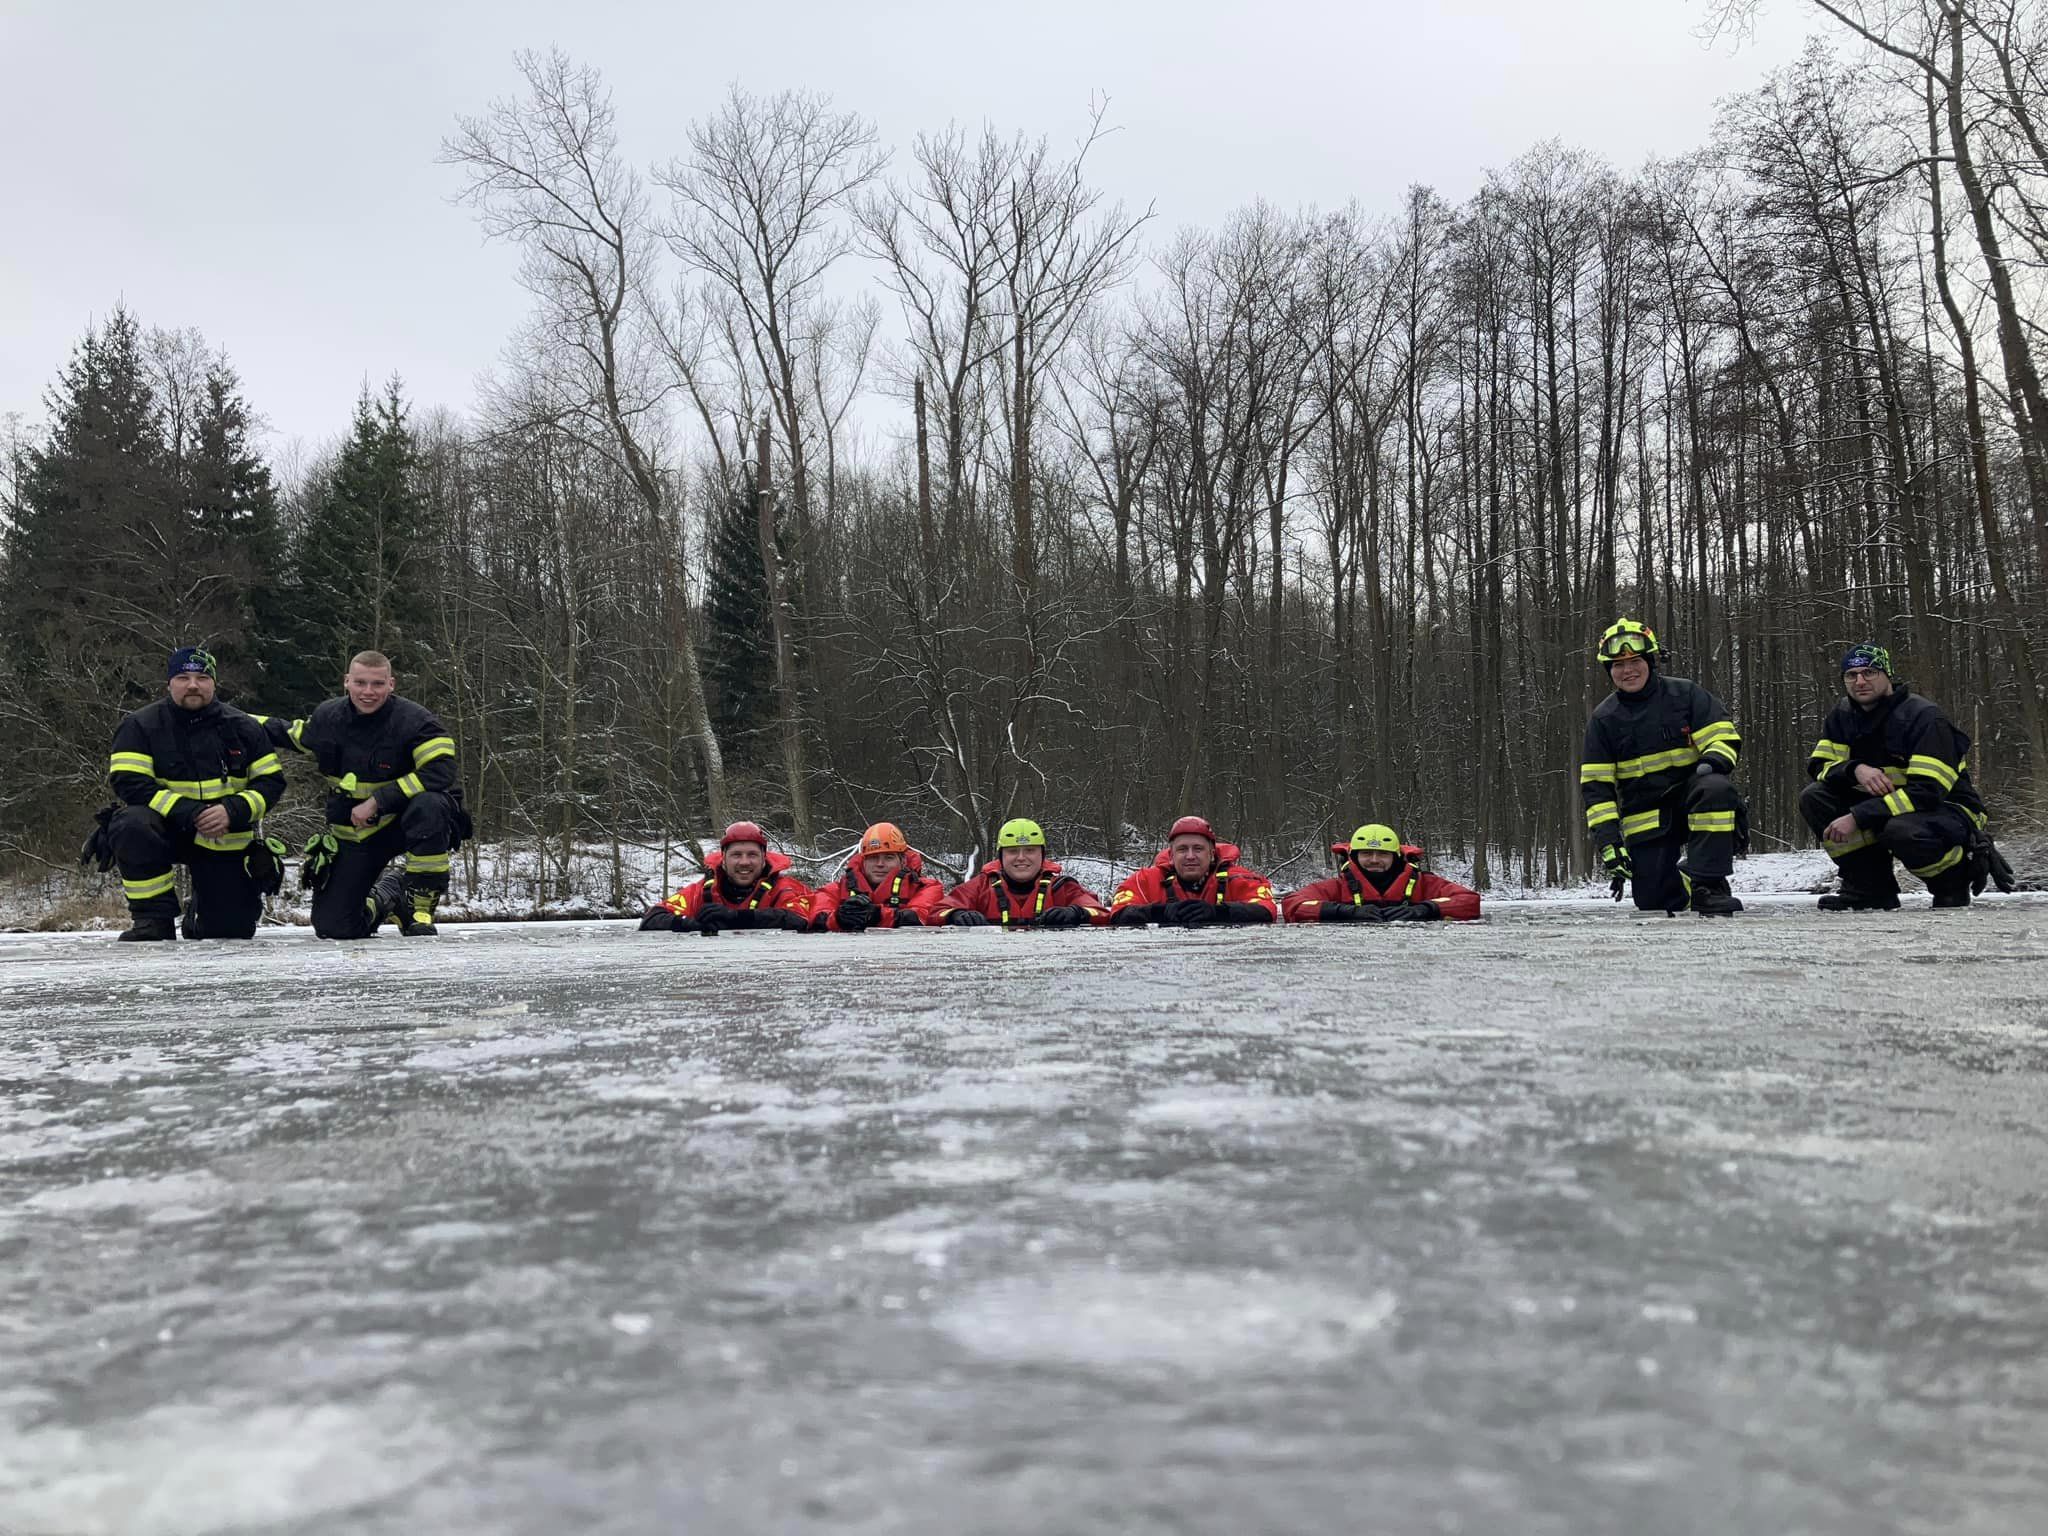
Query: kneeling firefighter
{"x": 1655, "y": 778}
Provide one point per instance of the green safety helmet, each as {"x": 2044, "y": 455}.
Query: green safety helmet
{"x": 1020, "y": 832}
{"x": 1375, "y": 837}
{"x": 1626, "y": 637}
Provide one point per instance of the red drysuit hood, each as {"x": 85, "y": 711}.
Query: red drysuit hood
{"x": 913, "y": 864}
{"x": 777, "y": 862}
{"x": 994, "y": 869}
{"x": 1226, "y": 853}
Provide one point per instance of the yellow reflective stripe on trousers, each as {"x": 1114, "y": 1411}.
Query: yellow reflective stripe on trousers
{"x": 1932, "y": 768}
{"x": 1596, "y": 773}
{"x": 1711, "y": 821}
{"x": 430, "y": 749}
{"x": 1601, "y": 811}
{"x": 1641, "y": 822}
{"x": 429, "y": 864}
{"x": 154, "y": 885}
{"x": 1656, "y": 762}
{"x": 132, "y": 762}
{"x": 1947, "y": 861}
{"x": 349, "y": 832}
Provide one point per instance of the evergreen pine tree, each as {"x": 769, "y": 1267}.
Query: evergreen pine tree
{"x": 739, "y": 654}
{"x": 232, "y": 507}
{"x": 363, "y": 577}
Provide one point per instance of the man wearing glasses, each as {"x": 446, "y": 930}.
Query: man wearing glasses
{"x": 1655, "y": 778}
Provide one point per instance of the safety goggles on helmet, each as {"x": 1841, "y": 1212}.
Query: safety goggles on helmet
{"x": 1375, "y": 837}
{"x": 883, "y": 837}
{"x": 1626, "y": 637}
{"x": 1020, "y": 833}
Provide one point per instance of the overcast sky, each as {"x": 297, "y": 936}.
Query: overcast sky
{"x": 266, "y": 171}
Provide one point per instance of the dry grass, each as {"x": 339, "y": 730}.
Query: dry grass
{"x": 82, "y": 908}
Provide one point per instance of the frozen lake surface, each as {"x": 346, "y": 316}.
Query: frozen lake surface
{"x": 1570, "y": 1222}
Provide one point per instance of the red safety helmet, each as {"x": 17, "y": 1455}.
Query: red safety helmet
{"x": 1197, "y": 825}
{"x": 743, "y": 832}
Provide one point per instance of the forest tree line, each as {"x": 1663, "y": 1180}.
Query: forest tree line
{"x": 1305, "y": 519}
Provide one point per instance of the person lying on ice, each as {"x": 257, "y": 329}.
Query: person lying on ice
{"x": 746, "y": 884}
{"x": 1193, "y": 881}
{"x": 1022, "y": 888}
{"x": 883, "y": 886}
{"x": 1380, "y": 881}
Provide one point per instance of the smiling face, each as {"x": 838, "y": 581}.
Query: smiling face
{"x": 744, "y": 862}
{"x": 191, "y": 690}
{"x": 1375, "y": 861}
{"x": 1866, "y": 685}
{"x": 1630, "y": 673}
{"x": 1023, "y": 864}
{"x": 368, "y": 687}
{"x": 880, "y": 868}
{"x": 1193, "y": 856}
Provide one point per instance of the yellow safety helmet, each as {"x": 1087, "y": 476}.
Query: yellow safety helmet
{"x": 1020, "y": 832}
{"x": 1375, "y": 837}
{"x": 1626, "y": 637}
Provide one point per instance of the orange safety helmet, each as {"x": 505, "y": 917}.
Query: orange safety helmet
{"x": 883, "y": 837}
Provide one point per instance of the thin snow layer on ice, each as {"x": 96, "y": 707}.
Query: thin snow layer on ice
{"x": 1560, "y": 1223}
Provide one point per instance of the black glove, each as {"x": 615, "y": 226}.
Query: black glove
{"x": 965, "y": 919}
{"x": 1415, "y": 912}
{"x": 1189, "y": 913}
{"x": 715, "y": 918}
{"x": 316, "y": 859}
{"x": 264, "y": 864}
{"x": 657, "y": 920}
{"x": 1060, "y": 917}
{"x": 99, "y": 846}
{"x": 795, "y": 922}
{"x": 1136, "y": 916}
{"x": 1245, "y": 912}
{"x": 685, "y": 925}
{"x": 1614, "y": 859}
{"x": 856, "y": 913}
{"x": 1341, "y": 912}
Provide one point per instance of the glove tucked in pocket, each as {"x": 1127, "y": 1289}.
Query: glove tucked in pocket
{"x": 316, "y": 862}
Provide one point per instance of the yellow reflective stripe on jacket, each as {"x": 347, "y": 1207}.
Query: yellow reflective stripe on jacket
{"x": 349, "y": 784}
{"x": 227, "y": 842}
{"x": 1641, "y": 822}
{"x": 1842, "y": 850}
{"x": 1898, "y": 802}
{"x": 257, "y": 804}
{"x": 1596, "y": 773}
{"x": 207, "y": 789}
{"x": 132, "y": 762}
{"x": 431, "y": 748}
{"x": 1829, "y": 751}
{"x": 164, "y": 801}
{"x": 1600, "y": 811}
{"x": 1932, "y": 768}
{"x": 409, "y": 784}
{"x": 1721, "y": 736}
{"x": 1656, "y": 762}
{"x": 265, "y": 765}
